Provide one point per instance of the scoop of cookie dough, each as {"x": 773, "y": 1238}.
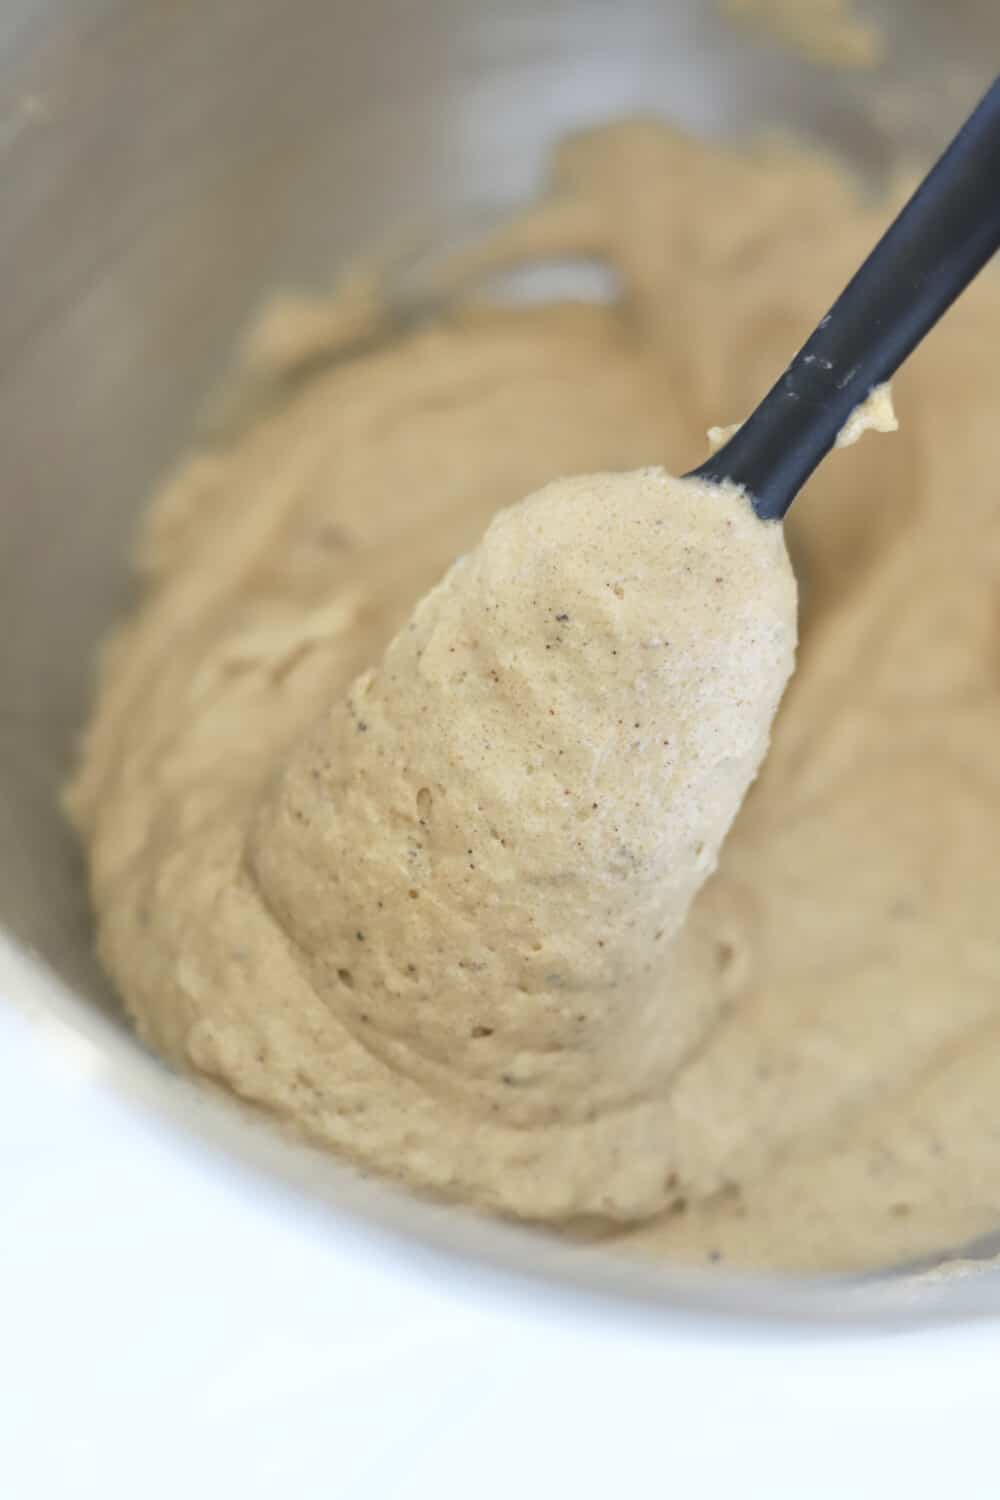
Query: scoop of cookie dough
{"x": 484, "y": 854}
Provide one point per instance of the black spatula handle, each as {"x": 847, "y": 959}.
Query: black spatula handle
{"x": 946, "y": 233}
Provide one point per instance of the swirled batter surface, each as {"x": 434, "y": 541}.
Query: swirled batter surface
{"x": 417, "y": 812}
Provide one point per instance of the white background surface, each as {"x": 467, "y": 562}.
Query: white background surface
{"x": 167, "y": 1330}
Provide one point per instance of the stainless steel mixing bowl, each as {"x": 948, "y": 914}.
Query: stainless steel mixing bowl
{"x": 163, "y": 163}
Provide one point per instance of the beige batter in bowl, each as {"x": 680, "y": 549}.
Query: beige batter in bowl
{"x": 170, "y": 229}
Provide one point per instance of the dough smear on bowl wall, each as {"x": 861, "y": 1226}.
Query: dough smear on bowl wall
{"x": 448, "y": 863}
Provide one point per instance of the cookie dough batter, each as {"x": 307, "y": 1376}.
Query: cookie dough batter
{"x": 825, "y": 31}
{"x": 447, "y": 864}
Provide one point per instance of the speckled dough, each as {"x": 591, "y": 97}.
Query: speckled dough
{"x": 417, "y": 853}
